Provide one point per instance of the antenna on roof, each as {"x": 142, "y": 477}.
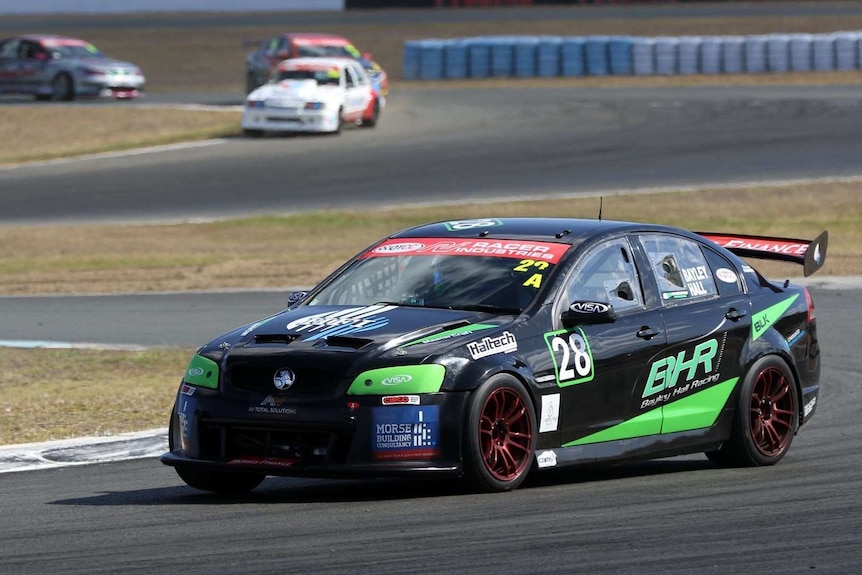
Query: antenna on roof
{"x": 600, "y": 207}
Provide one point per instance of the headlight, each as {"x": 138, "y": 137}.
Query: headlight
{"x": 254, "y": 104}
{"x": 202, "y": 372}
{"x": 315, "y": 105}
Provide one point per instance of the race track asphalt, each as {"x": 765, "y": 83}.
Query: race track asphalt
{"x": 679, "y": 516}
{"x": 438, "y": 145}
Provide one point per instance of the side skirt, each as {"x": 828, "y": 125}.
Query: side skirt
{"x": 647, "y": 447}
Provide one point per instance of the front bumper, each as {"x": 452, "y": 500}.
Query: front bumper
{"x": 289, "y": 120}
{"x": 358, "y": 437}
{"x": 112, "y": 85}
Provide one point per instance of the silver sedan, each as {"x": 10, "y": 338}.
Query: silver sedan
{"x": 63, "y": 68}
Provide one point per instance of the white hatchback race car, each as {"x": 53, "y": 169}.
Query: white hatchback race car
{"x": 312, "y": 95}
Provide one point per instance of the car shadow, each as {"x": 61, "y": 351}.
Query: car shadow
{"x": 285, "y": 490}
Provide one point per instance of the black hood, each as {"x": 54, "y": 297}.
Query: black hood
{"x": 328, "y": 345}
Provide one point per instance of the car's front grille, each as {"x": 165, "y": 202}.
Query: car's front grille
{"x": 307, "y": 384}
{"x": 228, "y": 442}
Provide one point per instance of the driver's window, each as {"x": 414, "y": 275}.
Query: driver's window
{"x": 680, "y": 268}
{"x": 10, "y": 49}
{"x": 275, "y": 46}
{"x": 607, "y": 274}
{"x": 350, "y": 78}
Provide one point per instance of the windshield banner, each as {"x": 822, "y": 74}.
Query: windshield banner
{"x": 516, "y": 249}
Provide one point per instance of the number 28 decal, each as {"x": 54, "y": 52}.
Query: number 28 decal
{"x": 573, "y": 360}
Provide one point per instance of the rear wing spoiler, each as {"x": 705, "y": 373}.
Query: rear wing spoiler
{"x": 810, "y": 254}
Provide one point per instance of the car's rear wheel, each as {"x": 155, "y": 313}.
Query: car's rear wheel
{"x": 500, "y": 435}
{"x": 62, "y": 88}
{"x": 766, "y": 419}
{"x": 222, "y": 482}
{"x": 375, "y": 116}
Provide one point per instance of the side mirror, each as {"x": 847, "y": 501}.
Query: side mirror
{"x": 282, "y": 55}
{"x": 367, "y": 55}
{"x": 295, "y": 297}
{"x": 624, "y": 291}
{"x": 589, "y": 312}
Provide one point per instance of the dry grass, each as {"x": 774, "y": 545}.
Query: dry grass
{"x": 41, "y": 133}
{"x": 55, "y": 394}
{"x": 287, "y": 251}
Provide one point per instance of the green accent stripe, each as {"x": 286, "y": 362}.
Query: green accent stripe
{"x": 413, "y": 379}
{"x": 648, "y": 423}
{"x": 762, "y": 320}
{"x": 698, "y": 410}
{"x": 202, "y": 372}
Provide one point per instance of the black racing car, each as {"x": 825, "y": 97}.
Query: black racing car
{"x": 488, "y": 348}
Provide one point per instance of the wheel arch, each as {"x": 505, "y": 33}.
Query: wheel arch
{"x": 772, "y": 343}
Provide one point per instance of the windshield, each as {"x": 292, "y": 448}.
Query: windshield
{"x": 336, "y": 51}
{"x": 323, "y": 76}
{"x": 73, "y": 50}
{"x": 495, "y": 275}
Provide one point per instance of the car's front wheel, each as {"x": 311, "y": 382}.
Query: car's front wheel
{"x": 252, "y": 133}
{"x": 62, "y": 87}
{"x": 222, "y": 482}
{"x": 500, "y": 435}
{"x": 766, "y": 419}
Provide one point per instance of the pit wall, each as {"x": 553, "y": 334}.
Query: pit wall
{"x": 548, "y": 56}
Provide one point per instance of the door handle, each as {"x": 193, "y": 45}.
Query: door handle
{"x": 734, "y": 314}
{"x": 646, "y": 332}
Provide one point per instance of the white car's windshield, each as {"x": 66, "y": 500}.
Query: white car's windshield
{"x": 323, "y": 77}
{"x": 446, "y": 275}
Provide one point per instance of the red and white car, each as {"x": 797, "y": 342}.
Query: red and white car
{"x": 312, "y": 95}
{"x": 262, "y": 62}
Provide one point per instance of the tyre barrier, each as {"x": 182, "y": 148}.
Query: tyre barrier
{"x": 571, "y": 56}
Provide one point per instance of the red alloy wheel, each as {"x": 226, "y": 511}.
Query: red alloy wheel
{"x": 505, "y": 434}
{"x": 773, "y": 408}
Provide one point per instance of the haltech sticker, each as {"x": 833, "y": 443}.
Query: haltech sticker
{"x": 401, "y": 380}
{"x": 202, "y": 372}
{"x": 762, "y": 320}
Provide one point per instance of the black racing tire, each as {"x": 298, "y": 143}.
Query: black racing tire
{"x": 375, "y": 116}
{"x": 221, "y": 482}
{"x": 500, "y": 435}
{"x": 252, "y": 133}
{"x": 766, "y": 418}
{"x": 340, "y": 125}
{"x": 62, "y": 87}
